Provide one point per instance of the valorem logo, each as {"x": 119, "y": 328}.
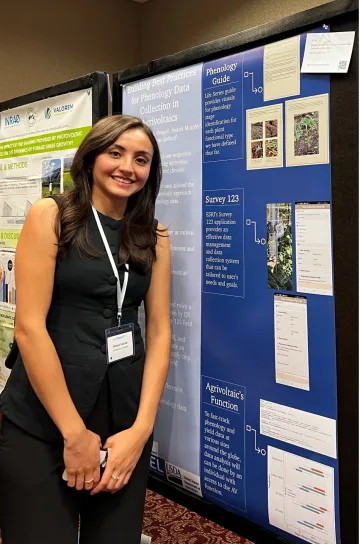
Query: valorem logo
{"x": 47, "y": 113}
{"x": 12, "y": 120}
{"x": 59, "y": 110}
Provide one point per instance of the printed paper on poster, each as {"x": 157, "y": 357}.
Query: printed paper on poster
{"x": 301, "y": 497}
{"x": 303, "y": 429}
{"x": 291, "y": 341}
{"x": 328, "y": 52}
{"x": 282, "y": 69}
{"x": 313, "y": 248}
{"x": 264, "y": 137}
{"x": 307, "y": 130}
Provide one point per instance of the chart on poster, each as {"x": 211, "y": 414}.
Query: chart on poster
{"x": 246, "y": 197}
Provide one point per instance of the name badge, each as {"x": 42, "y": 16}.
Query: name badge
{"x": 119, "y": 343}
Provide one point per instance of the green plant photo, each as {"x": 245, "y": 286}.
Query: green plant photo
{"x": 279, "y": 246}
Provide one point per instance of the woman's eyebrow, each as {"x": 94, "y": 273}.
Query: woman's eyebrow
{"x": 141, "y": 152}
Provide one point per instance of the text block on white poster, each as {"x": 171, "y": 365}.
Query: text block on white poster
{"x": 291, "y": 341}
{"x": 171, "y": 104}
{"x": 313, "y": 248}
{"x": 301, "y": 497}
{"x": 303, "y": 429}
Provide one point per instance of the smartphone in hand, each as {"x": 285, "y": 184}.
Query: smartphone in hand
{"x": 103, "y": 459}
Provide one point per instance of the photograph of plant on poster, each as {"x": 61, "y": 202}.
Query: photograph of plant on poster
{"x": 279, "y": 246}
{"x": 306, "y": 134}
{"x": 51, "y": 177}
{"x": 264, "y": 137}
{"x": 307, "y": 130}
{"x": 67, "y": 181}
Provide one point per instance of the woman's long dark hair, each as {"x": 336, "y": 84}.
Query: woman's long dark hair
{"x": 138, "y": 231}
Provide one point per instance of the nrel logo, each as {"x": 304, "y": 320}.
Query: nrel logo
{"x": 63, "y": 109}
{"x": 12, "y": 120}
{"x": 157, "y": 464}
{"x": 173, "y": 474}
{"x": 47, "y": 113}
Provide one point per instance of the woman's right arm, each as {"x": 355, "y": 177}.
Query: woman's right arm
{"x": 35, "y": 263}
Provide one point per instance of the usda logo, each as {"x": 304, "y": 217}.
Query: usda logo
{"x": 47, "y": 113}
{"x": 173, "y": 474}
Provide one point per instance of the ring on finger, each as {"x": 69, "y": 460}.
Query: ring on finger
{"x": 89, "y": 481}
{"x": 115, "y": 477}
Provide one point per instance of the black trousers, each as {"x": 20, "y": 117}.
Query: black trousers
{"x": 37, "y": 507}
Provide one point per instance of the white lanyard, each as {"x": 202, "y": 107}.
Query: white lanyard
{"x": 120, "y": 293}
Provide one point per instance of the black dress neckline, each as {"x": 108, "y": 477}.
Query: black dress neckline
{"x": 108, "y": 218}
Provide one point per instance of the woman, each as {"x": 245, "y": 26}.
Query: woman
{"x": 82, "y": 380}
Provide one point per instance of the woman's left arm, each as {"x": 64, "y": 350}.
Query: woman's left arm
{"x": 158, "y": 337}
{"x": 125, "y": 448}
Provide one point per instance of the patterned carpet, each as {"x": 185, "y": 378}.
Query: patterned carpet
{"x": 169, "y": 523}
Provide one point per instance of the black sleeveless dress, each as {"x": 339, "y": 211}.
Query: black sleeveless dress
{"x": 83, "y": 306}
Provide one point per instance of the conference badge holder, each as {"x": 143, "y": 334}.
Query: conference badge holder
{"x": 119, "y": 343}
{"x": 119, "y": 340}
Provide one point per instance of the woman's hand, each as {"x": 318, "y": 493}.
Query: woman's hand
{"x": 82, "y": 459}
{"x": 124, "y": 451}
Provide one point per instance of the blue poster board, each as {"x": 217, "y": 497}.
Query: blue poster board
{"x": 248, "y": 418}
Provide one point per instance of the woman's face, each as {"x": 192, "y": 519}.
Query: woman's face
{"x": 124, "y": 167}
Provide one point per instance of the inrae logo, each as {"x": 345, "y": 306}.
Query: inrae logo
{"x": 173, "y": 474}
{"x": 12, "y": 120}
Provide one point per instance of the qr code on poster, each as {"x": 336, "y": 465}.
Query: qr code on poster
{"x": 343, "y": 64}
